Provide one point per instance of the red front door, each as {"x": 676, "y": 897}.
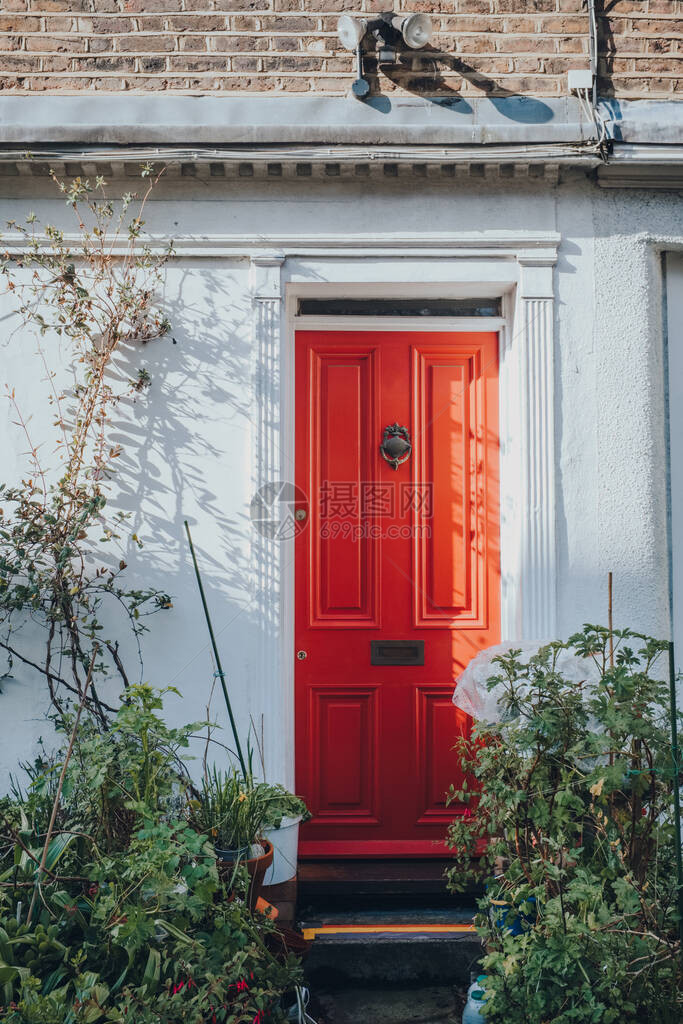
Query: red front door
{"x": 397, "y": 578}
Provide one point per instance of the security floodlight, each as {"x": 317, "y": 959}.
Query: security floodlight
{"x": 351, "y": 31}
{"x": 416, "y": 29}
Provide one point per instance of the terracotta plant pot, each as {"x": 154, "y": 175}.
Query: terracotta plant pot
{"x": 256, "y": 867}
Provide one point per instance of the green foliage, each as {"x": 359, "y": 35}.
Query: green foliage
{"x": 85, "y": 300}
{"x": 233, "y": 812}
{"x": 134, "y": 769}
{"x": 228, "y": 809}
{"x": 133, "y": 920}
{"x": 573, "y": 794}
{"x": 280, "y": 803}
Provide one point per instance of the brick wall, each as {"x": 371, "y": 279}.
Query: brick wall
{"x": 482, "y": 47}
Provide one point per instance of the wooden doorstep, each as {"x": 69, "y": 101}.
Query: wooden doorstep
{"x": 373, "y": 877}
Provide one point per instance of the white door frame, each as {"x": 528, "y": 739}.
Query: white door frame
{"x": 520, "y": 271}
{"x": 673, "y": 338}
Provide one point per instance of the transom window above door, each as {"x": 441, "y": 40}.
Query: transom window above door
{"x": 399, "y": 307}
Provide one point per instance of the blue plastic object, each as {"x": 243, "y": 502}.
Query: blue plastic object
{"x": 500, "y": 910}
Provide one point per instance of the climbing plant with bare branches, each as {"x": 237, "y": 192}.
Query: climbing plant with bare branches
{"x": 89, "y": 294}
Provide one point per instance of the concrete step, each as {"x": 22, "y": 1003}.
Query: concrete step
{"x": 397, "y": 945}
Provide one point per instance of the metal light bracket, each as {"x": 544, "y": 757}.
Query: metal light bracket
{"x": 361, "y": 87}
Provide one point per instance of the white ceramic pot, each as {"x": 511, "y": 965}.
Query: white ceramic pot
{"x": 285, "y": 840}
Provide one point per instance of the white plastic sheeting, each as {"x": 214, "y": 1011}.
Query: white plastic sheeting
{"x": 473, "y": 696}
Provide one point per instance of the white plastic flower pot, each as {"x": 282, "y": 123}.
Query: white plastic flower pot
{"x": 285, "y": 840}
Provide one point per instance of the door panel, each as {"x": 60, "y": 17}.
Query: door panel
{"x": 438, "y": 726}
{"x": 344, "y": 570}
{"x": 408, "y": 555}
{"x": 345, "y": 733}
{"x": 451, "y": 454}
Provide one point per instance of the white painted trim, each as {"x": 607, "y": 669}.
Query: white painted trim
{"x": 539, "y": 599}
{"x": 536, "y": 404}
{"x": 511, "y": 504}
{"x": 457, "y": 283}
{"x": 267, "y": 553}
{"x": 674, "y": 389}
{"x": 402, "y": 323}
{"x": 255, "y": 247}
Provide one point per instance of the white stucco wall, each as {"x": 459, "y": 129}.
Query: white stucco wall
{"x": 194, "y": 438}
{"x": 610, "y": 419}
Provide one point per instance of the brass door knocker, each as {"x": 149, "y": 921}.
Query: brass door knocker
{"x": 396, "y": 447}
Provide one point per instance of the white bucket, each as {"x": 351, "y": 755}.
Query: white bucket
{"x": 285, "y": 840}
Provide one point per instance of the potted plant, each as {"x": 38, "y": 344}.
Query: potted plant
{"x": 231, "y": 811}
{"x": 284, "y": 814}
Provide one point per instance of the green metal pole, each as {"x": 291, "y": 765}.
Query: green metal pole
{"x": 219, "y": 667}
{"x": 677, "y": 786}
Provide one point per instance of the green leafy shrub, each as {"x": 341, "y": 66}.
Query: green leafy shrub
{"x": 572, "y": 792}
{"x": 131, "y": 920}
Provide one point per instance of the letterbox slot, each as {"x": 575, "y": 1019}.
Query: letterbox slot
{"x": 397, "y": 652}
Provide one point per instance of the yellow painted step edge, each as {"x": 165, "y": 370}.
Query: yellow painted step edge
{"x": 377, "y": 929}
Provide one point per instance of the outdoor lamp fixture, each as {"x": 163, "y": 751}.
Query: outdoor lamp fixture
{"x": 389, "y": 29}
